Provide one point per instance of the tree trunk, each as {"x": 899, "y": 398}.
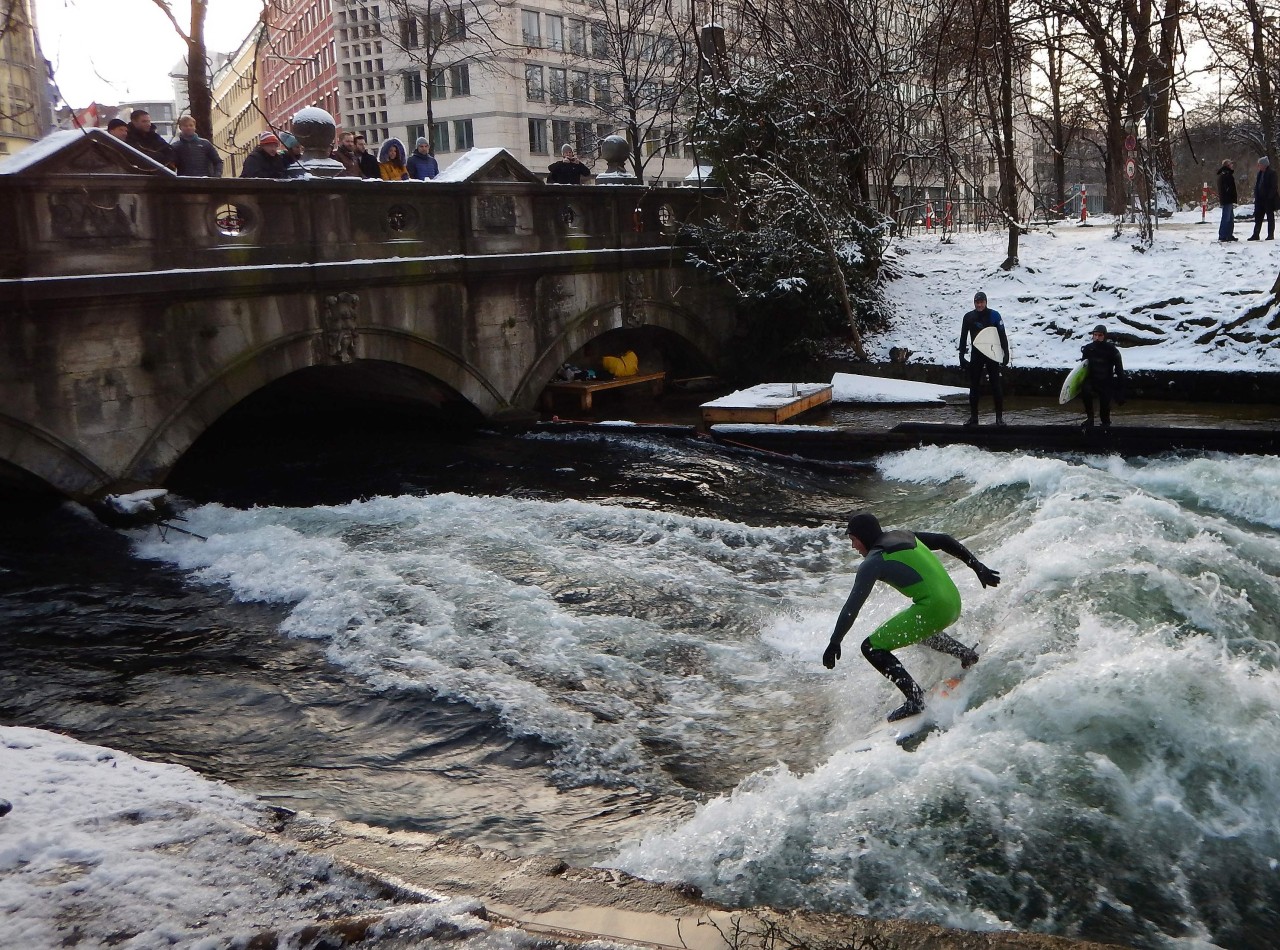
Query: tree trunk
{"x": 1008, "y": 158}
{"x": 198, "y": 91}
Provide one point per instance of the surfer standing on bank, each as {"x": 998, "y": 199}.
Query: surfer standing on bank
{"x": 1105, "y": 378}
{"x": 906, "y": 562}
{"x": 978, "y": 362}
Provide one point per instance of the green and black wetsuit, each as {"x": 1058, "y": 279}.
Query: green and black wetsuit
{"x": 906, "y": 562}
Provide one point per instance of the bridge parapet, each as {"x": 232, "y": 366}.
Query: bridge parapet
{"x": 139, "y": 307}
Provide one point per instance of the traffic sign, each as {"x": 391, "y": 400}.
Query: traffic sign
{"x": 1130, "y": 143}
{"x": 1130, "y": 169}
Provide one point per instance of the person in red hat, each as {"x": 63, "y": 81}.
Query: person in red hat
{"x": 265, "y": 161}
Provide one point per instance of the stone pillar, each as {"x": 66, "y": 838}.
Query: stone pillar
{"x": 317, "y": 131}
{"x": 615, "y": 150}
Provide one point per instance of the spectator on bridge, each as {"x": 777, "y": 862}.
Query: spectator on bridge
{"x": 193, "y": 156}
{"x": 569, "y": 170}
{"x": 347, "y": 155}
{"x": 391, "y": 161}
{"x": 368, "y": 164}
{"x": 265, "y": 161}
{"x": 1227, "y": 200}
{"x": 119, "y": 128}
{"x": 1265, "y": 200}
{"x": 147, "y": 140}
{"x": 422, "y": 164}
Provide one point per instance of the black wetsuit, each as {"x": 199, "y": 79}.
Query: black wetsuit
{"x": 1105, "y": 378}
{"x": 973, "y": 323}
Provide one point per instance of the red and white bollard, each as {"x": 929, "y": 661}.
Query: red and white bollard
{"x": 948, "y": 218}
{"x": 1084, "y": 203}
{"x": 1204, "y": 202}
{"x": 928, "y": 215}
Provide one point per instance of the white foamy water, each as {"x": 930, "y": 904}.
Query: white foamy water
{"x": 1113, "y": 771}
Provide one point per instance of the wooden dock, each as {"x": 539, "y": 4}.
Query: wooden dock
{"x": 767, "y": 403}
{"x": 584, "y": 389}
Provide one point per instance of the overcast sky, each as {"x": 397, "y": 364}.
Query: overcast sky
{"x": 112, "y": 51}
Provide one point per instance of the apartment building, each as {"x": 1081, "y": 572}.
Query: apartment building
{"x": 528, "y": 77}
{"x": 237, "y": 118}
{"x": 297, "y": 59}
{"x": 24, "y": 100}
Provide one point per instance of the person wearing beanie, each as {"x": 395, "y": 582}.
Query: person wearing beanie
{"x": 569, "y": 170}
{"x": 905, "y": 561}
{"x": 119, "y": 128}
{"x": 422, "y": 165}
{"x": 1227, "y": 200}
{"x": 979, "y": 365}
{"x": 1105, "y": 378}
{"x": 265, "y": 161}
{"x": 1265, "y": 200}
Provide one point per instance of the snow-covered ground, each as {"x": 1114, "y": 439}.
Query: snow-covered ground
{"x": 102, "y": 848}
{"x": 1186, "y": 303}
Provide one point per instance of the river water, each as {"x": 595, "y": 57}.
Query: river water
{"x": 608, "y": 649}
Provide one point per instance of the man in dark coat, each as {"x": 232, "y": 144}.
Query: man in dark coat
{"x": 193, "y": 156}
{"x": 368, "y": 163}
{"x": 265, "y": 161}
{"x": 1105, "y": 378}
{"x": 1265, "y": 200}
{"x": 347, "y": 155}
{"x": 569, "y": 170}
{"x": 146, "y": 139}
{"x": 1227, "y": 200}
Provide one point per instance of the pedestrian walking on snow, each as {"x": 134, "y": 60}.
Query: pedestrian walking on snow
{"x": 1227, "y": 200}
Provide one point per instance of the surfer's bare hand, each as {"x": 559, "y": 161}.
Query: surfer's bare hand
{"x": 988, "y": 577}
{"x": 831, "y": 655}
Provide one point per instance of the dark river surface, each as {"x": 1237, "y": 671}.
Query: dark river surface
{"x": 607, "y": 648}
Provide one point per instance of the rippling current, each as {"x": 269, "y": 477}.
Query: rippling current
{"x": 609, "y": 649}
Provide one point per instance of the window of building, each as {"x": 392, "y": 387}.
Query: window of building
{"x": 534, "y": 90}
{"x": 412, "y": 133}
{"x": 673, "y": 143}
{"x": 580, "y": 86}
{"x": 560, "y": 133}
{"x": 463, "y": 137}
{"x": 584, "y": 140}
{"x": 599, "y": 41}
{"x": 603, "y": 132}
{"x": 538, "y": 136}
{"x": 529, "y": 28}
{"x": 457, "y": 19}
{"x": 439, "y": 84}
{"x": 559, "y": 86}
{"x": 577, "y": 38}
{"x": 412, "y": 81}
{"x": 460, "y": 79}
{"x": 440, "y": 136}
{"x": 603, "y": 89}
{"x": 652, "y": 141}
{"x": 555, "y": 32}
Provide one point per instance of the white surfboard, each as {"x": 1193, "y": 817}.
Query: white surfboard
{"x": 900, "y": 733}
{"x": 987, "y": 342}
{"x": 1071, "y": 385}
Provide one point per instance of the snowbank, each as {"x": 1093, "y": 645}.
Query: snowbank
{"x": 1186, "y": 303}
{"x": 848, "y": 387}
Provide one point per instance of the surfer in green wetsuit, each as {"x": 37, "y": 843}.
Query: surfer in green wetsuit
{"x": 906, "y": 562}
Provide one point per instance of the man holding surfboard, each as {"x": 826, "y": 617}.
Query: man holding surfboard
{"x": 1104, "y": 377}
{"x": 989, "y": 354}
{"x": 906, "y": 562}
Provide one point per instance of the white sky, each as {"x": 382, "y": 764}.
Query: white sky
{"x": 114, "y": 51}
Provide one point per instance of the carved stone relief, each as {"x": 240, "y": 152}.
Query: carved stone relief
{"x": 633, "y": 306}
{"x": 93, "y": 214}
{"x": 338, "y": 321}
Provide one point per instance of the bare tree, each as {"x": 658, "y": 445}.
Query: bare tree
{"x": 198, "y": 91}
{"x": 1244, "y": 37}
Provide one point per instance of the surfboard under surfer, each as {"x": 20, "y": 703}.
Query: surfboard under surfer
{"x": 978, "y": 363}
{"x": 905, "y": 561}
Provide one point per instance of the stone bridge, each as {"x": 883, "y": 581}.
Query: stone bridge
{"x": 139, "y": 307}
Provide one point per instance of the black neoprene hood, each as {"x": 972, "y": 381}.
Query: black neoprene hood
{"x": 865, "y": 527}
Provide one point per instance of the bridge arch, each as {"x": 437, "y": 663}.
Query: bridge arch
{"x": 49, "y": 459}
{"x": 597, "y": 321}
{"x": 258, "y": 369}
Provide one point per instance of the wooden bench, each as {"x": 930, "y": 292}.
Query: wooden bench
{"x": 585, "y": 389}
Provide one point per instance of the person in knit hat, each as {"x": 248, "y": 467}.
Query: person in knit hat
{"x": 265, "y": 161}
{"x": 422, "y": 164}
{"x": 906, "y": 562}
{"x": 1265, "y": 200}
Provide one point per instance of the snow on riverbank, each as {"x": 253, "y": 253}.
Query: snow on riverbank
{"x": 1185, "y": 303}
{"x": 104, "y": 848}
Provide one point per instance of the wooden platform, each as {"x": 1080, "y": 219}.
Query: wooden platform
{"x": 585, "y": 389}
{"x": 767, "y": 403}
